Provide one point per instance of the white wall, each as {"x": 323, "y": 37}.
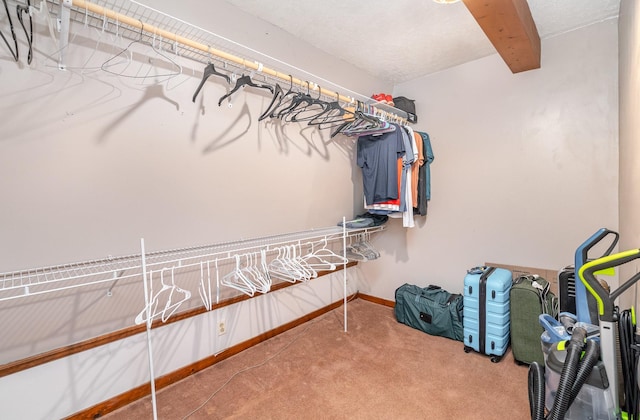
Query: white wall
{"x": 91, "y": 162}
{"x": 526, "y": 165}
{"x": 629, "y": 45}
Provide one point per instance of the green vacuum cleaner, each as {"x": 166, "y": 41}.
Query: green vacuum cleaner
{"x": 585, "y": 371}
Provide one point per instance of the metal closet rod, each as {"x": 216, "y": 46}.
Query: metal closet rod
{"x": 136, "y": 23}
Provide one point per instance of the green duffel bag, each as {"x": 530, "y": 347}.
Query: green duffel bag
{"x": 430, "y": 309}
{"x": 530, "y": 296}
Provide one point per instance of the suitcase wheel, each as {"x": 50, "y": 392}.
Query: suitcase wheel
{"x": 467, "y": 349}
{"x": 495, "y": 359}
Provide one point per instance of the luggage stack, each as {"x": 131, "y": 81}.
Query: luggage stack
{"x": 486, "y": 301}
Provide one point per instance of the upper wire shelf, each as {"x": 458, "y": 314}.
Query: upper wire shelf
{"x": 38, "y": 281}
{"x": 135, "y": 21}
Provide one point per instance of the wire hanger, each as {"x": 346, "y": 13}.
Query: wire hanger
{"x": 14, "y": 52}
{"x": 106, "y": 66}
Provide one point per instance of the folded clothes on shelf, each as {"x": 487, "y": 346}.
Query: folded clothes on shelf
{"x": 365, "y": 220}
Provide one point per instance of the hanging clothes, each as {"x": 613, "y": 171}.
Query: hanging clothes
{"x": 377, "y": 155}
{"x": 395, "y": 172}
{"x": 424, "y": 178}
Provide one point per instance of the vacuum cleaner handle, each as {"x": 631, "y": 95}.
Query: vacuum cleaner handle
{"x": 603, "y": 298}
{"x": 582, "y": 252}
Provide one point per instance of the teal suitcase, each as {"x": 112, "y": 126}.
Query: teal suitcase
{"x": 486, "y": 311}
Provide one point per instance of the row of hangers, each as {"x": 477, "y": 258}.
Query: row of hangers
{"x": 20, "y": 11}
{"x": 295, "y": 105}
{"x": 172, "y": 295}
{"x": 361, "y": 249}
{"x": 352, "y": 118}
{"x": 250, "y": 274}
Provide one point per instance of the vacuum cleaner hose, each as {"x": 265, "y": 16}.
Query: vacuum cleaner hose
{"x": 568, "y": 375}
{"x": 536, "y": 391}
{"x": 589, "y": 360}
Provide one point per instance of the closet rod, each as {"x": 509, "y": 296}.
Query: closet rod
{"x": 136, "y": 23}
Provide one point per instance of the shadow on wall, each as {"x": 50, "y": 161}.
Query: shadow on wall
{"x": 222, "y": 140}
{"x": 155, "y": 91}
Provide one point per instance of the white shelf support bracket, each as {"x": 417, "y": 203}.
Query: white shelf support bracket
{"x": 64, "y": 19}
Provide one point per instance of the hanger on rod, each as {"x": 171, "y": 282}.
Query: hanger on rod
{"x": 20, "y": 9}
{"x": 153, "y": 299}
{"x": 14, "y": 52}
{"x": 245, "y": 80}
{"x": 209, "y": 70}
{"x": 204, "y": 289}
{"x": 278, "y": 93}
{"x": 236, "y": 279}
{"x": 328, "y": 254}
{"x": 308, "y": 108}
{"x": 281, "y": 267}
{"x": 283, "y": 101}
{"x": 171, "y": 307}
{"x": 261, "y": 282}
{"x": 332, "y": 115}
{"x": 298, "y": 100}
{"x": 107, "y": 65}
{"x": 316, "y": 261}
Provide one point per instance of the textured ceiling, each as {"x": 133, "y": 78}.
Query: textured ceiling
{"x": 402, "y": 40}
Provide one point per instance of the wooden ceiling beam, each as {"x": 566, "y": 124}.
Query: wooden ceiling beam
{"x": 510, "y": 27}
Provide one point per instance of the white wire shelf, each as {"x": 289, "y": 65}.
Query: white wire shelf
{"x": 134, "y": 14}
{"x": 37, "y": 281}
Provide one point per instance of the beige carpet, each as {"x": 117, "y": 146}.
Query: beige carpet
{"x": 379, "y": 369}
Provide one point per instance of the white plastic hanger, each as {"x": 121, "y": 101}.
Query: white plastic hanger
{"x": 153, "y": 301}
{"x": 205, "y": 288}
{"x": 171, "y": 307}
{"x": 328, "y": 255}
{"x": 317, "y": 262}
{"x": 280, "y": 267}
{"x": 237, "y": 280}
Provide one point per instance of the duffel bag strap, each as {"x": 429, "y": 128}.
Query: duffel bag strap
{"x": 453, "y": 297}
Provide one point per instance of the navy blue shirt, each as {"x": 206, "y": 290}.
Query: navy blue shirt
{"x": 378, "y": 155}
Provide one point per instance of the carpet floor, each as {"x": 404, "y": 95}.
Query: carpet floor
{"x": 379, "y": 369}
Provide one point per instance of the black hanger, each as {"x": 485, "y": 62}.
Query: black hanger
{"x": 25, "y": 9}
{"x": 209, "y": 71}
{"x": 275, "y": 110}
{"x": 307, "y": 104}
{"x": 14, "y": 53}
{"x": 277, "y": 94}
{"x": 298, "y": 99}
{"x": 333, "y": 113}
{"x": 245, "y": 81}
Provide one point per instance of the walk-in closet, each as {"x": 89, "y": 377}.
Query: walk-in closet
{"x": 208, "y": 206}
